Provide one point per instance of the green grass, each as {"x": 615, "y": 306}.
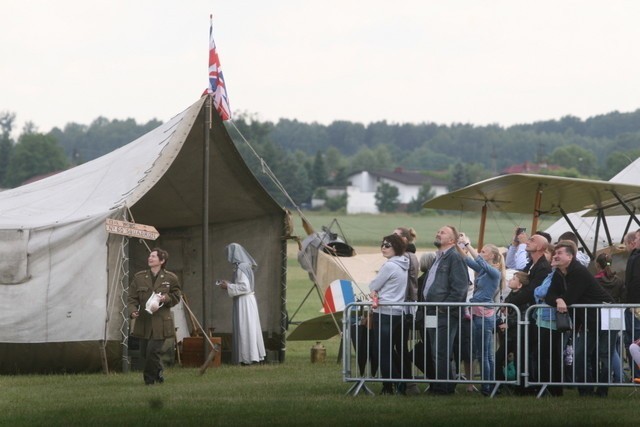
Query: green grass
{"x": 296, "y": 392}
{"x": 369, "y": 229}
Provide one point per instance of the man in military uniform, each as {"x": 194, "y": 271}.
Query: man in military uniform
{"x": 155, "y": 325}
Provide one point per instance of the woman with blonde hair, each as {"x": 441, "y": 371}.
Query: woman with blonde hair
{"x": 409, "y": 235}
{"x": 490, "y": 278}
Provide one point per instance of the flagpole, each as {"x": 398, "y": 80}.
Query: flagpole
{"x": 205, "y": 214}
{"x": 220, "y": 103}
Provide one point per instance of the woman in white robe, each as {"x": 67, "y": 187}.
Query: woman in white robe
{"x": 247, "y": 342}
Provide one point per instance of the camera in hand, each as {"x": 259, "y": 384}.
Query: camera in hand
{"x": 520, "y": 230}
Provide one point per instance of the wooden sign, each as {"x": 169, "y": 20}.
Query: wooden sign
{"x": 131, "y": 229}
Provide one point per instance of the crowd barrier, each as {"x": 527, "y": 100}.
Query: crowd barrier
{"x": 434, "y": 347}
{"x": 590, "y": 357}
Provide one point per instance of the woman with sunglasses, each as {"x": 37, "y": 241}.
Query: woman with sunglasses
{"x": 389, "y": 287}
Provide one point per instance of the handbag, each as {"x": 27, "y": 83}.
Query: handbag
{"x": 564, "y": 323}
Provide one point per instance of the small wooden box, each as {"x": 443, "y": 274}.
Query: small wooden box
{"x": 193, "y": 351}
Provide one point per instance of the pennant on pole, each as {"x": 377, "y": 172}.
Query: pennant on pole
{"x": 217, "y": 87}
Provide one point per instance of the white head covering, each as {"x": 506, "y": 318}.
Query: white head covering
{"x": 236, "y": 254}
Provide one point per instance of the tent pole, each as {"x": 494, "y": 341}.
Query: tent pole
{"x": 205, "y": 213}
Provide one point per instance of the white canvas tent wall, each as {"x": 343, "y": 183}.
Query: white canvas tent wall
{"x": 586, "y": 224}
{"x": 62, "y": 277}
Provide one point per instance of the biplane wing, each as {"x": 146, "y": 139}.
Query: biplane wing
{"x": 519, "y": 193}
{"x": 623, "y": 206}
{"x": 537, "y": 195}
{"x": 319, "y": 328}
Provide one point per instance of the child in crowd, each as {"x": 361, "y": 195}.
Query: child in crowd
{"x": 508, "y": 329}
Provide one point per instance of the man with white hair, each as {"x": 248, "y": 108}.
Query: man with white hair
{"x": 539, "y": 269}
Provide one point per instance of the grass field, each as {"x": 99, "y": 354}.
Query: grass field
{"x": 369, "y": 229}
{"x": 296, "y": 392}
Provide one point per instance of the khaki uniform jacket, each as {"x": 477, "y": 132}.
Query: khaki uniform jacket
{"x": 158, "y": 325}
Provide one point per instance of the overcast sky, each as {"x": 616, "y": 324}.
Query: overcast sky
{"x": 469, "y": 61}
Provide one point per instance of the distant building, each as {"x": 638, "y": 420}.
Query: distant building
{"x": 363, "y": 185}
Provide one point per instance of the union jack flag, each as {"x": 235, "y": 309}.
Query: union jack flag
{"x": 217, "y": 87}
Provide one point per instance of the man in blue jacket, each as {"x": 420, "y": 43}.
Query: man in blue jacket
{"x": 447, "y": 282}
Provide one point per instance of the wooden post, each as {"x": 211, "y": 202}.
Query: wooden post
{"x": 483, "y": 222}
{"x": 536, "y": 210}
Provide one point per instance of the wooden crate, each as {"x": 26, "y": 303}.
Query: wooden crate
{"x": 192, "y": 353}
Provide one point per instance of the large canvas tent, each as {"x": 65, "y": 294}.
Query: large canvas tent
{"x": 63, "y": 278}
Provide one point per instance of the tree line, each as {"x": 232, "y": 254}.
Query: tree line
{"x": 308, "y": 158}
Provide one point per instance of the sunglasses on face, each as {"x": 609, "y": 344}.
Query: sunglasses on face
{"x": 385, "y": 245}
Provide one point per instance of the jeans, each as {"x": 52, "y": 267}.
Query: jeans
{"x": 387, "y": 347}
{"x": 483, "y": 330}
{"x": 462, "y": 345}
{"x": 609, "y": 355}
{"x": 442, "y": 338}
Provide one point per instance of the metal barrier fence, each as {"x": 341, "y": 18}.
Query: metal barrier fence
{"x": 408, "y": 346}
{"x": 589, "y": 357}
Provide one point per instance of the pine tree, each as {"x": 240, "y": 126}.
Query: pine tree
{"x": 319, "y": 175}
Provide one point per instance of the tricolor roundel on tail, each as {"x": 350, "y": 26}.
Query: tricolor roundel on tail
{"x": 338, "y": 295}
